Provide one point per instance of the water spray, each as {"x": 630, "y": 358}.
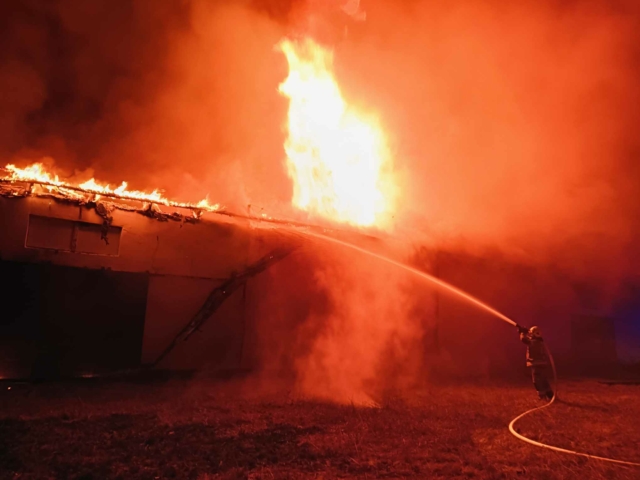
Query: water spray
{"x": 435, "y": 280}
{"x": 469, "y": 298}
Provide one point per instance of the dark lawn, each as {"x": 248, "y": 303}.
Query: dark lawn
{"x": 204, "y": 429}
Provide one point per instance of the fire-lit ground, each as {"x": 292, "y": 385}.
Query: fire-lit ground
{"x": 211, "y": 429}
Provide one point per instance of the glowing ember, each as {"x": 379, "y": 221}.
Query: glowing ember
{"x": 337, "y": 160}
{"x": 36, "y": 173}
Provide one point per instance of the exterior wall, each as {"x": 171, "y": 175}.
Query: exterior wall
{"x": 181, "y": 263}
{"x": 218, "y": 345}
{"x": 171, "y": 303}
{"x": 212, "y": 248}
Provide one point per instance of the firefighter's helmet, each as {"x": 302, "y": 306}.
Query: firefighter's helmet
{"x": 535, "y": 332}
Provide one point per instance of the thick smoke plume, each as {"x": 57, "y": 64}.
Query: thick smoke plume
{"x": 370, "y": 343}
{"x": 343, "y": 328}
{"x": 514, "y": 128}
{"x": 512, "y": 124}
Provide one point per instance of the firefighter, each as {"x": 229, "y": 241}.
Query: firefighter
{"x": 537, "y": 360}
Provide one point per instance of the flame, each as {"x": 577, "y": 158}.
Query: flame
{"x": 94, "y": 187}
{"x": 337, "y": 159}
{"x": 36, "y": 173}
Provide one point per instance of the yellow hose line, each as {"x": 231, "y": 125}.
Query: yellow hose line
{"x": 551, "y": 447}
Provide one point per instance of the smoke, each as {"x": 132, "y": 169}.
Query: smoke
{"x": 181, "y": 96}
{"x": 74, "y": 73}
{"x": 513, "y": 128}
{"x": 516, "y": 124}
{"x": 368, "y": 338}
{"x": 341, "y": 328}
{"x": 512, "y": 125}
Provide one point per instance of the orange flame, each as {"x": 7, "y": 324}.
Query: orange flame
{"x": 337, "y": 159}
{"x": 36, "y": 173}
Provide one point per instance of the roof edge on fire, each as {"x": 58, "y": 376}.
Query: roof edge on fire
{"x": 105, "y": 204}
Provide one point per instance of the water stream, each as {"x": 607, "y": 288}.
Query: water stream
{"x": 440, "y": 283}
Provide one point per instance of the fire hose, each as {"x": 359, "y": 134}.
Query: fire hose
{"x": 551, "y": 447}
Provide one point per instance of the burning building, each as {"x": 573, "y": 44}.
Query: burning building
{"x": 154, "y": 266}
{"x": 105, "y": 281}
{"x": 159, "y": 270}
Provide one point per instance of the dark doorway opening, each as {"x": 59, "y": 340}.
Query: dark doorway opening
{"x": 61, "y": 321}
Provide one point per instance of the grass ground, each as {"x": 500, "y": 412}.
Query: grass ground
{"x": 205, "y": 429}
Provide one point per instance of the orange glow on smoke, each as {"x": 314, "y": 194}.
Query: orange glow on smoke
{"x": 37, "y": 173}
{"x": 337, "y": 158}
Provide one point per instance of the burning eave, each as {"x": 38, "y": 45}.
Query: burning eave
{"x": 75, "y": 229}
{"x": 102, "y": 203}
{"x": 183, "y": 212}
